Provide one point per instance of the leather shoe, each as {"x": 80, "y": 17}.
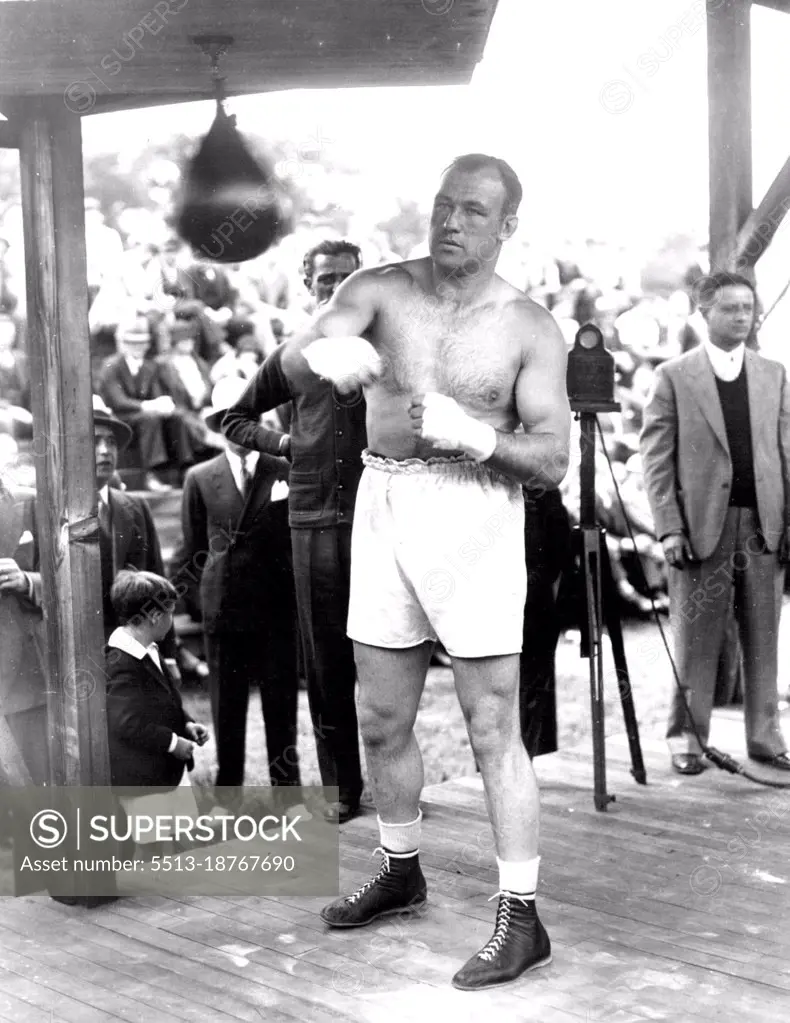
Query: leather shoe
{"x": 340, "y": 812}
{"x": 780, "y": 761}
{"x": 688, "y": 763}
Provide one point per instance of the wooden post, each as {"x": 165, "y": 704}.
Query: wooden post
{"x": 729, "y": 127}
{"x": 50, "y": 141}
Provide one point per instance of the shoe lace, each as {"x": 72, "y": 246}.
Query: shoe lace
{"x": 383, "y": 869}
{"x": 494, "y": 945}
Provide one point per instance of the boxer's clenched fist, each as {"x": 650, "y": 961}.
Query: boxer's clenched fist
{"x": 442, "y": 421}
{"x": 347, "y": 361}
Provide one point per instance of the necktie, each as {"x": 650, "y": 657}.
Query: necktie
{"x": 246, "y": 478}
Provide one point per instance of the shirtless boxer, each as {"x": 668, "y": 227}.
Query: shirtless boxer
{"x": 453, "y": 360}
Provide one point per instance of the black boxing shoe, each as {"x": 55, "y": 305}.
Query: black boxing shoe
{"x": 519, "y": 943}
{"x": 398, "y": 887}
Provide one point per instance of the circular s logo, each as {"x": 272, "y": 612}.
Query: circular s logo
{"x": 48, "y": 829}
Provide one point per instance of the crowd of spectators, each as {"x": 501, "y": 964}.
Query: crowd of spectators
{"x": 167, "y": 325}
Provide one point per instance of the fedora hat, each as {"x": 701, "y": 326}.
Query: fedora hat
{"x": 227, "y": 392}
{"x": 102, "y": 416}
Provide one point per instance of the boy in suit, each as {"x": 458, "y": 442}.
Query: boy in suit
{"x": 151, "y": 736}
{"x": 234, "y": 570}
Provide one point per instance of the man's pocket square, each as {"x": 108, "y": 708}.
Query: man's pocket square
{"x": 279, "y": 490}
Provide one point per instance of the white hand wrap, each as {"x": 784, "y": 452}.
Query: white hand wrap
{"x": 446, "y": 424}
{"x": 338, "y": 358}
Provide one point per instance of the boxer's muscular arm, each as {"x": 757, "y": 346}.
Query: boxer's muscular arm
{"x": 539, "y": 456}
{"x": 349, "y": 313}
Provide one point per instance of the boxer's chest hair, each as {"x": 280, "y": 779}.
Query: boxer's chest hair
{"x": 469, "y": 355}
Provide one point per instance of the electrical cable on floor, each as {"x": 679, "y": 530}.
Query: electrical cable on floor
{"x": 721, "y": 760}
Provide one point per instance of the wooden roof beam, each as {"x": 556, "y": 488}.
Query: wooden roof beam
{"x": 762, "y": 224}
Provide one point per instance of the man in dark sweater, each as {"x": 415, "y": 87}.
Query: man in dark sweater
{"x": 716, "y": 455}
{"x": 325, "y": 446}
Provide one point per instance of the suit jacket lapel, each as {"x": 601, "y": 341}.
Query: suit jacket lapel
{"x": 10, "y": 524}
{"x": 129, "y": 382}
{"x": 226, "y": 487}
{"x": 145, "y": 376}
{"x": 260, "y": 491}
{"x": 122, "y": 526}
{"x": 759, "y": 412}
{"x": 707, "y": 396}
{"x": 160, "y": 677}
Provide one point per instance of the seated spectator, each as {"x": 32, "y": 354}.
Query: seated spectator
{"x": 184, "y": 374}
{"x": 203, "y": 292}
{"x": 185, "y": 377}
{"x": 15, "y": 417}
{"x": 131, "y": 386}
{"x": 244, "y": 355}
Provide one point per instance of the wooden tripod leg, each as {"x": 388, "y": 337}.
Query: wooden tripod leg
{"x": 615, "y": 630}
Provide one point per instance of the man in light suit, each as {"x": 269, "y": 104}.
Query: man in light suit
{"x": 716, "y": 455}
{"x": 234, "y": 570}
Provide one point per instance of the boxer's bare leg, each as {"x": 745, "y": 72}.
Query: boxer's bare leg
{"x": 487, "y": 689}
{"x": 390, "y": 687}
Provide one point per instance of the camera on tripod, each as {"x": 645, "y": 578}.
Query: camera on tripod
{"x": 590, "y": 376}
{"x": 590, "y": 385}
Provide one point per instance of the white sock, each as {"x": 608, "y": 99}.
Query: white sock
{"x": 401, "y": 838}
{"x": 519, "y": 876}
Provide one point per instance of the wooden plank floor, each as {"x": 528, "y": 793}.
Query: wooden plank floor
{"x": 674, "y": 905}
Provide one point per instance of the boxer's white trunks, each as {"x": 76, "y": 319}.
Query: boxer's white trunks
{"x": 437, "y": 551}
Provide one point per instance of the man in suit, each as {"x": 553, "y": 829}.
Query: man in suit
{"x": 24, "y": 754}
{"x": 327, "y": 435}
{"x": 547, "y": 539}
{"x": 132, "y": 388}
{"x": 716, "y": 455}
{"x": 127, "y": 534}
{"x": 234, "y": 570}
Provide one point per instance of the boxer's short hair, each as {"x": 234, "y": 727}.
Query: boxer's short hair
{"x": 471, "y": 162}
{"x": 134, "y": 595}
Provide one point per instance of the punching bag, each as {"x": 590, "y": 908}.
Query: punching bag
{"x": 229, "y": 208}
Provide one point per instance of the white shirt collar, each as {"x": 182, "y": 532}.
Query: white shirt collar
{"x": 726, "y": 365}
{"x": 134, "y": 363}
{"x": 121, "y": 639}
{"x": 234, "y": 461}
{"x": 104, "y": 493}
